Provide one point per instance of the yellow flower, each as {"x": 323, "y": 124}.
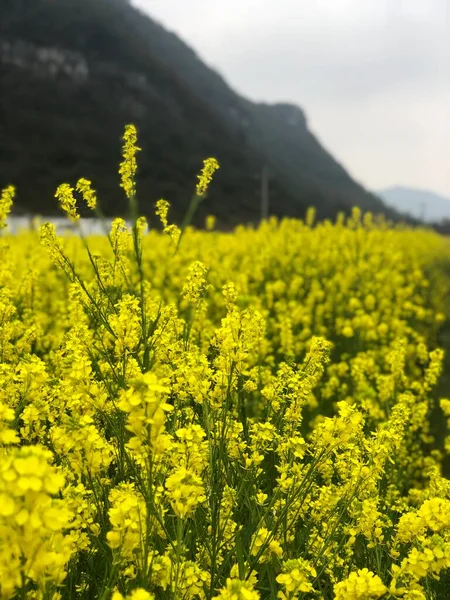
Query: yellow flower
{"x": 65, "y": 196}
{"x": 128, "y": 166}
{"x": 162, "y": 209}
{"x": 271, "y": 547}
{"x": 235, "y": 589}
{"x": 360, "y": 585}
{"x": 210, "y": 222}
{"x": 261, "y": 498}
{"x": 185, "y": 491}
{"x": 34, "y": 524}
{"x": 195, "y": 284}
{"x": 6, "y": 202}
{"x": 127, "y": 516}
{"x": 295, "y": 578}
{"x": 137, "y": 594}
{"x": 172, "y": 231}
{"x": 210, "y": 165}
{"x": 89, "y": 196}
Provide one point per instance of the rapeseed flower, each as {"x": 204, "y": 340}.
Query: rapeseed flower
{"x": 84, "y": 186}
{"x": 6, "y": 202}
{"x": 246, "y": 416}
{"x": 128, "y": 166}
{"x": 210, "y": 165}
{"x": 64, "y": 194}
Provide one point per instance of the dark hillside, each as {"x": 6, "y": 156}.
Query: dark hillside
{"x": 74, "y": 72}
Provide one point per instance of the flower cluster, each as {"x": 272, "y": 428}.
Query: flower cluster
{"x": 246, "y": 415}
{"x": 128, "y": 166}
{"x": 6, "y": 202}
{"x": 204, "y": 179}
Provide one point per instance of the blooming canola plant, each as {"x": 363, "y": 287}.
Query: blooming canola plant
{"x": 238, "y": 416}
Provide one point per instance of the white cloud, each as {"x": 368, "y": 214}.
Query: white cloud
{"x": 373, "y": 76}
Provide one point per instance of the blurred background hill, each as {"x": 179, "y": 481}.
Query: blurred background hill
{"x": 74, "y": 72}
{"x": 421, "y": 204}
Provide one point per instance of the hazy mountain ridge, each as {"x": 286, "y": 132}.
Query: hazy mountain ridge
{"x": 421, "y": 204}
{"x": 73, "y": 72}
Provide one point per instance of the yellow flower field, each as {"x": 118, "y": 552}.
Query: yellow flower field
{"x": 238, "y": 416}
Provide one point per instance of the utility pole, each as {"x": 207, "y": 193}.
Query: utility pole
{"x": 264, "y": 193}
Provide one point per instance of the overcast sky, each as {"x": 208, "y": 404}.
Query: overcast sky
{"x": 373, "y": 76}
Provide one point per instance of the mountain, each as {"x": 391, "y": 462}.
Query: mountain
{"x": 74, "y": 72}
{"x": 421, "y": 204}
